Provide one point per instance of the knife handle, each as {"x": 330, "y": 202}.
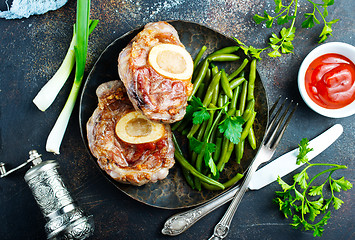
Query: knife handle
{"x": 180, "y": 222}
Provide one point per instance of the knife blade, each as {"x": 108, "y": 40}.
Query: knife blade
{"x": 287, "y": 162}
{"x": 281, "y": 166}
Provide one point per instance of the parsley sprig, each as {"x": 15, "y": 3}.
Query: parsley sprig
{"x": 231, "y": 127}
{"x": 197, "y": 111}
{"x": 301, "y": 200}
{"x": 311, "y": 18}
{"x": 282, "y": 43}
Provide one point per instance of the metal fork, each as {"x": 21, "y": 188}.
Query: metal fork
{"x": 272, "y": 138}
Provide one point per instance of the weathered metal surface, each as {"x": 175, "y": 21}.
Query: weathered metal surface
{"x": 32, "y": 49}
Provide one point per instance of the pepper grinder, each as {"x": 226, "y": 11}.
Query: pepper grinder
{"x": 65, "y": 219}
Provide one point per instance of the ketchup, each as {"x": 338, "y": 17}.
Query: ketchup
{"x": 330, "y": 81}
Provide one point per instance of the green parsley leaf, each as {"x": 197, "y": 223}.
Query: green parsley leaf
{"x": 200, "y": 116}
{"x": 316, "y": 190}
{"x": 195, "y": 145}
{"x": 232, "y": 128}
{"x": 198, "y": 112}
{"x": 328, "y": 2}
{"x": 313, "y": 211}
{"x": 337, "y": 202}
{"x": 206, "y": 149}
{"x": 299, "y": 206}
{"x": 210, "y": 163}
{"x": 318, "y": 231}
{"x": 254, "y": 52}
{"x": 309, "y": 22}
{"x": 283, "y": 184}
{"x": 301, "y": 179}
{"x": 303, "y": 150}
{"x": 341, "y": 184}
{"x": 278, "y": 5}
{"x": 258, "y": 19}
{"x": 326, "y": 204}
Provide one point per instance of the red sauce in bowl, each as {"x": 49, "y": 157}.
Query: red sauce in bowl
{"x": 330, "y": 81}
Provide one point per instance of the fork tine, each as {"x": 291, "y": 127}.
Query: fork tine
{"x": 274, "y": 106}
{"x": 278, "y": 125}
{"x": 273, "y": 120}
{"x": 284, "y": 127}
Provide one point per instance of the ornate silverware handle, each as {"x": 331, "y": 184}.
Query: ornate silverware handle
{"x": 180, "y": 222}
{"x": 222, "y": 228}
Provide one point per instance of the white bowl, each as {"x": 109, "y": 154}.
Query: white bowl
{"x": 344, "y": 49}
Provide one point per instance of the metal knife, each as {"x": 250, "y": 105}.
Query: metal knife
{"x": 281, "y": 166}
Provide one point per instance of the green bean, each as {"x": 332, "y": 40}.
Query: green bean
{"x": 233, "y": 103}
{"x": 217, "y": 153}
{"x": 188, "y": 177}
{"x": 199, "y": 168}
{"x": 193, "y": 130}
{"x": 199, "y": 56}
{"x": 177, "y": 146}
{"x": 239, "y": 151}
{"x": 209, "y": 124}
{"x": 224, "y": 150}
{"x": 225, "y": 84}
{"x": 222, "y": 57}
{"x": 247, "y": 127}
{"x": 227, "y": 184}
{"x": 233, "y": 180}
{"x": 183, "y": 126}
{"x": 236, "y": 82}
{"x": 197, "y": 70}
{"x": 220, "y": 101}
{"x": 199, "y": 136}
{"x": 249, "y": 109}
{"x": 176, "y": 125}
{"x": 243, "y": 97}
{"x": 227, "y": 149}
{"x": 252, "y": 76}
{"x": 202, "y": 130}
{"x": 214, "y": 70}
{"x": 251, "y": 138}
{"x": 225, "y": 100}
{"x": 210, "y": 89}
{"x": 239, "y": 70}
{"x": 185, "y": 164}
{"x": 215, "y": 94}
{"x": 201, "y": 90}
{"x": 185, "y": 131}
{"x": 237, "y": 113}
{"x": 230, "y": 49}
{"x": 199, "y": 78}
{"x": 214, "y": 127}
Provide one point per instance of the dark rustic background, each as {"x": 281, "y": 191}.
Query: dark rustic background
{"x": 32, "y": 49}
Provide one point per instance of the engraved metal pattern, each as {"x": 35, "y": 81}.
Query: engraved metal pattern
{"x": 81, "y": 230}
{"x": 49, "y": 191}
{"x": 179, "y": 223}
{"x": 63, "y": 220}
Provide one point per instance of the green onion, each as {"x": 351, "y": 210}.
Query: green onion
{"x": 82, "y": 33}
{"x": 50, "y": 90}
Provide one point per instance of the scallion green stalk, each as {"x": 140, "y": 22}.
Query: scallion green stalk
{"x": 50, "y": 90}
{"x": 82, "y": 33}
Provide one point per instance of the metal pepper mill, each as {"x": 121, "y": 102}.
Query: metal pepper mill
{"x": 65, "y": 220}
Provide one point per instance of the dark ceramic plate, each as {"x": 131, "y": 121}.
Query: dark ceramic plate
{"x": 172, "y": 192}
